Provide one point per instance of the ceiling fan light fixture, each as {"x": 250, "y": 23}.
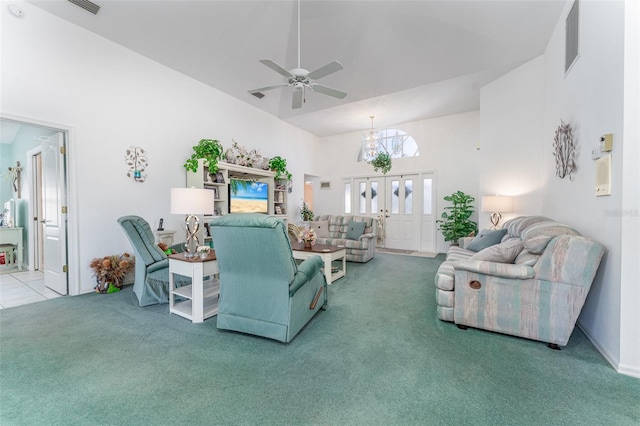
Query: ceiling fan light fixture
{"x": 301, "y": 79}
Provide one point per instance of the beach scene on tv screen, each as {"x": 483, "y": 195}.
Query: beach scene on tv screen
{"x": 250, "y": 197}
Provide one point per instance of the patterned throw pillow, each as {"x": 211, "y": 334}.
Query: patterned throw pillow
{"x": 486, "y": 238}
{"x": 501, "y": 253}
{"x": 321, "y": 227}
{"x": 354, "y": 230}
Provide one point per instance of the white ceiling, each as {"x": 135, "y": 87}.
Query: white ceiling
{"x": 403, "y": 60}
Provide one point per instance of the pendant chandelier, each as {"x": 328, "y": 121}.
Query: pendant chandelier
{"x": 370, "y": 144}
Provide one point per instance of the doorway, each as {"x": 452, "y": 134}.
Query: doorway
{"x": 403, "y": 204}
{"x": 43, "y": 201}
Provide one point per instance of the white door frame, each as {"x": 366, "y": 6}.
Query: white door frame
{"x": 73, "y": 254}
{"x": 32, "y": 234}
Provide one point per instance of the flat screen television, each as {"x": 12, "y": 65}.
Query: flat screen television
{"x": 248, "y": 197}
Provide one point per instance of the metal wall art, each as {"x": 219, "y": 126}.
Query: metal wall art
{"x": 564, "y": 151}
{"x": 136, "y": 159}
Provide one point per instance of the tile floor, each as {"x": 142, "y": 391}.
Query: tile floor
{"x": 23, "y": 287}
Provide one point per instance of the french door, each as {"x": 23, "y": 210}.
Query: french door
{"x": 403, "y": 204}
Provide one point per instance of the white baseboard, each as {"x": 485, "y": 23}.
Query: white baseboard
{"x": 627, "y": 370}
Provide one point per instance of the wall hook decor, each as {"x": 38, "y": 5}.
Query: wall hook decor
{"x": 564, "y": 151}
{"x": 136, "y": 159}
{"x": 14, "y": 177}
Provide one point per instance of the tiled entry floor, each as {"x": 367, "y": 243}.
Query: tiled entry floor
{"x": 23, "y": 287}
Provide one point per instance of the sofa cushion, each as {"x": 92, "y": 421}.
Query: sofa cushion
{"x": 486, "y": 238}
{"x": 355, "y": 229}
{"x": 321, "y": 227}
{"x": 536, "y": 237}
{"x": 503, "y": 253}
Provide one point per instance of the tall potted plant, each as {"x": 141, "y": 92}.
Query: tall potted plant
{"x": 209, "y": 149}
{"x": 456, "y": 222}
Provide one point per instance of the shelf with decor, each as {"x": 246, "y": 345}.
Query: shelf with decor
{"x": 280, "y": 197}
{"x": 239, "y": 189}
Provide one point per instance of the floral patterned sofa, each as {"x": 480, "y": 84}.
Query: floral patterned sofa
{"x": 532, "y": 283}
{"x": 357, "y": 234}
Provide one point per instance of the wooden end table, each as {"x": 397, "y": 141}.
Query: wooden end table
{"x": 327, "y": 253}
{"x": 202, "y": 300}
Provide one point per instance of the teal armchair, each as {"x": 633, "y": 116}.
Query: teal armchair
{"x": 262, "y": 289}
{"x": 151, "y": 284}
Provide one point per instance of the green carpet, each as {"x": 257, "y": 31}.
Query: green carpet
{"x": 377, "y": 356}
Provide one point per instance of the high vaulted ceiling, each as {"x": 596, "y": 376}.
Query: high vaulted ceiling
{"x": 403, "y": 60}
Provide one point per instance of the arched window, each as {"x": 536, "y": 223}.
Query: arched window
{"x": 396, "y": 143}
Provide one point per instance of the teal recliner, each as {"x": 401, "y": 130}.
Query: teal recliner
{"x": 151, "y": 285}
{"x": 262, "y": 290}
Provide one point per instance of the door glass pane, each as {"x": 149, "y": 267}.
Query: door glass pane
{"x": 408, "y": 196}
{"x": 347, "y": 197}
{"x": 395, "y": 198}
{"x": 426, "y": 196}
{"x": 374, "y": 197}
{"x": 363, "y": 198}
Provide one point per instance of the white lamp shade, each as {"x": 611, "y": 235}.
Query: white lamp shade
{"x": 191, "y": 201}
{"x": 497, "y": 204}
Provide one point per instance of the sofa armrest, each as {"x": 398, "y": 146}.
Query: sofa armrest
{"x": 306, "y": 270}
{"x": 365, "y": 236}
{"x": 503, "y": 270}
{"x": 160, "y": 264}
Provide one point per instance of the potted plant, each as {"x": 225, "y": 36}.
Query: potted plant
{"x": 305, "y": 212}
{"x": 279, "y": 165}
{"x": 209, "y": 149}
{"x": 455, "y": 222}
{"x": 110, "y": 271}
{"x": 381, "y": 163}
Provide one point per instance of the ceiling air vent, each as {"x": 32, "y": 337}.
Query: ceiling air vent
{"x": 87, "y": 5}
{"x": 325, "y": 185}
{"x": 571, "y": 37}
{"x": 258, "y": 95}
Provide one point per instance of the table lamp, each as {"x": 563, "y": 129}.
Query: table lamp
{"x": 497, "y": 204}
{"x": 191, "y": 202}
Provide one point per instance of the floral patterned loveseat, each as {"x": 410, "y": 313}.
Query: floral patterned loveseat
{"x": 336, "y": 231}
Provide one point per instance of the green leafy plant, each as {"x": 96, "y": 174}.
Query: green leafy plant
{"x": 305, "y": 212}
{"x": 455, "y": 222}
{"x": 279, "y": 165}
{"x": 381, "y": 163}
{"x": 209, "y": 149}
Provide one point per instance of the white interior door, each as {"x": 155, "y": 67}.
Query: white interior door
{"x": 54, "y": 214}
{"x": 402, "y": 200}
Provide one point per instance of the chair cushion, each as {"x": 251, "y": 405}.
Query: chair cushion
{"x": 503, "y": 253}
{"x": 321, "y": 227}
{"x": 355, "y": 229}
{"x": 486, "y": 238}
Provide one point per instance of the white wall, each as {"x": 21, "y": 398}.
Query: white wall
{"x": 448, "y": 147}
{"x": 520, "y": 113}
{"x": 511, "y": 143}
{"x": 590, "y": 98}
{"x": 630, "y": 244}
{"x": 112, "y": 98}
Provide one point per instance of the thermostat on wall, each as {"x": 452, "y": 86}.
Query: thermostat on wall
{"x": 603, "y": 175}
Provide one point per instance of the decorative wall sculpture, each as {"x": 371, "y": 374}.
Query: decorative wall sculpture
{"x": 564, "y": 151}
{"x": 136, "y": 159}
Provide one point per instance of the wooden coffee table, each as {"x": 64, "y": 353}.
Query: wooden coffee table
{"x": 327, "y": 253}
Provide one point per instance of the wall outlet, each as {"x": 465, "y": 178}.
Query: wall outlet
{"x": 596, "y": 153}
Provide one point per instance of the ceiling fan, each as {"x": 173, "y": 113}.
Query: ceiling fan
{"x": 301, "y": 79}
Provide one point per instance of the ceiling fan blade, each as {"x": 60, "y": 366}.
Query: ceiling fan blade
{"x": 277, "y": 68}
{"x": 330, "y": 68}
{"x": 263, "y": 89}
{"x": 328, "y": 91}
{"x": 297, "y": 99}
